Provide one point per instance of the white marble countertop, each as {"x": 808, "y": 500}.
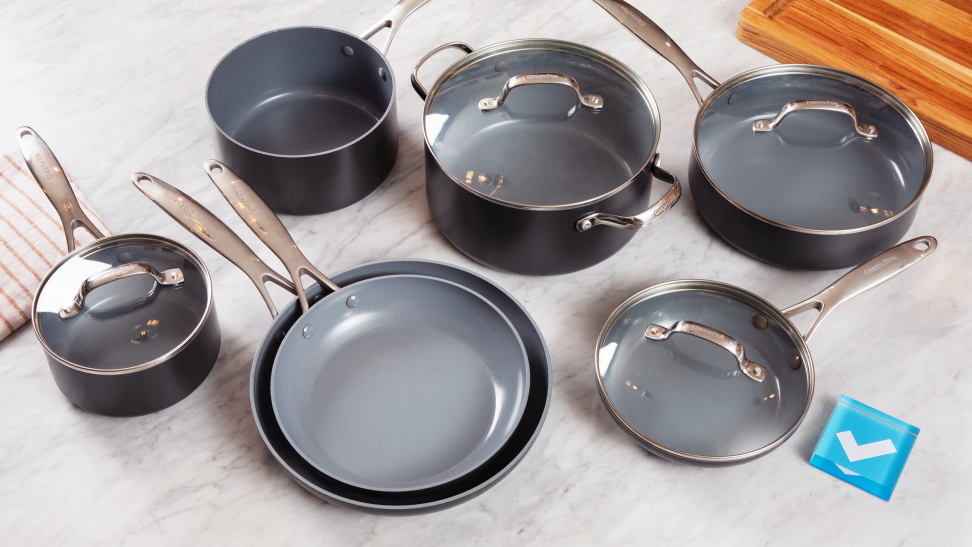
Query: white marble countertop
{"x": 117, "y": 87}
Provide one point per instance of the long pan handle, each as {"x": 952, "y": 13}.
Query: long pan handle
{"x": 393, "y": 21}
{"x": 267, "y": 227}
{"x": 50, "y": 177}
{"x": 657, "y": 39}
{"x": 863, "y": 278}
{"x": 203, "y": 224}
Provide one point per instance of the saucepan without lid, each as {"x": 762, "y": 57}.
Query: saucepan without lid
{"x": 705, "y": 373}
{"x": 801, "y": 166}
{"x": 392, "y": 384}
{"x": 127, "y": 322}
{"x": 307, "y": 114}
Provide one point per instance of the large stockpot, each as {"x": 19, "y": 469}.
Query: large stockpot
{"x": 127, "y": 322}
{"x": 307, "y": 115}
{"x": 708, "y": 374}
{"x": 801, "y": 166}
{"x": 540, "y": 155}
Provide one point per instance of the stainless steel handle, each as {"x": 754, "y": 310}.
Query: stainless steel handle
{"x": 644, "y": 218}
{"x": 203, "y": 224}
{"x": 416, "y": 85}
{"x": 393, "y": 21}
{"x": 492, "y": 103}
{"x": 267, "y": 227}
{"x": 750, "y": 369}
{"x": 656, "y": 38}
{"x": 52, "y": 180}
{"x": 168, "y": 277}
{"x": 863, "y": 278}
{"x": 865, "y": 130}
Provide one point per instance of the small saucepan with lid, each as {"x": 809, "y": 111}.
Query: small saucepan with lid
{"x": 127, "y": 321}
{"x": 540, "y": 155}
{"x": 708, "y": 374}
{"x": 801, "y": 166}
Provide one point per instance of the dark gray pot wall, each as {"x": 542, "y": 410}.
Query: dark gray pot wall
{"x": 529, "y": 242}
{"x": 144, "y": 391}
{"x": 316, "y": 184}
{"x": 789, "y": 248}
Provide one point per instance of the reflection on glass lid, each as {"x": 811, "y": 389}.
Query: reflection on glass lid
{"x": 689, "y": 394}
{"x": 125, "y": 321}
{"x": 513, "y": 126}
{"x": 815, "y": 169}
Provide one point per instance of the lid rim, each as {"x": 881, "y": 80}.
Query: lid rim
{"x": 204, "y": 318}
{"x": 539, "y": 43}
{"x": 723, "y": 289}
{"x": 837, "y": 74}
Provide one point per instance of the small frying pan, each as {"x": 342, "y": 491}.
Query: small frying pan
{"x": 394, "y": 384}
{"x": 708, "y": 374}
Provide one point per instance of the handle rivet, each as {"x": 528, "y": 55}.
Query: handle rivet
{"x": 795, "y": 362}
{"x": 308, "y": 331}
{"x": 586, "y": 225}
{"x": 352, "y": 301}
{"x": 760, "y": 322}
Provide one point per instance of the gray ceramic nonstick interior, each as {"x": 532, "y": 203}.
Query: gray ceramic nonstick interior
{"x": 400, "y": 383}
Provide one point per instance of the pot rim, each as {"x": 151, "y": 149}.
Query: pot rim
{"x": 391, "y": 102}
{"x": 836, "y": 74}
{"x": 537, "y": 43}
{"x": 142, "y": 366}
{"x": 724, "y": 289}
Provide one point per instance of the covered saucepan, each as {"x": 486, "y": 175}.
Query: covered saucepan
{"x": 127, "y": 322}
{"x": 708, "y": 374}
{"x": 801, "y": 166}
{"x": 540, "y": 155}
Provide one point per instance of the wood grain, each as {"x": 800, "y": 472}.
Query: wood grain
{"x": 920, "y": 51}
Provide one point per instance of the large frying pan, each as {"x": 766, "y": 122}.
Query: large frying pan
{"x": 399, "y": 383}
{"x": 432, "y": 499}
{"x": 801, "y": 166}
{"x": 307, "y": 114}
{"x": 709, "y": 374}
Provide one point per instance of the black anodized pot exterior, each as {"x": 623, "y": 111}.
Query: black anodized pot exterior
{"x": 319, "y": 183}
{"x": 791, "y": 248}
{"x": 529, "y": 241}
{"x": 147, "y": 390}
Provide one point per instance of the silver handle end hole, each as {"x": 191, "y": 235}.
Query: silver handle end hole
{"x": 144, "y": 180}
{"x": 922, "y": 245}
{"x": 216, "y": 169}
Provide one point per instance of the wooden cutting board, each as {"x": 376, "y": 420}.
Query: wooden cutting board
{"x": 920, "y": 50}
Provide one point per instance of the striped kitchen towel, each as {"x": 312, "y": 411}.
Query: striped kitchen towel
{"x": 31, "y": 239}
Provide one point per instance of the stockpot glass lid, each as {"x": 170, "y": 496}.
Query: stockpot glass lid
{"x": 129, "y": 318}
{"x": 690, "y": 395}
{"x": 813, "y": 168}
{"x": 543, "y": 143}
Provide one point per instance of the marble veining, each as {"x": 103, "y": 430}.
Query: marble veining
{"x": 116, "y": 87}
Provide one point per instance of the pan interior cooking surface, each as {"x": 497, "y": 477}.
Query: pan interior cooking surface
{"x": 400, "y": 383}
{"x": 297, "y": 91}
{"x": 126, "y": 322}
{"x": 813, "y": 170}
{"x": 688, "y": 394}
{"x": 542, "y": 146}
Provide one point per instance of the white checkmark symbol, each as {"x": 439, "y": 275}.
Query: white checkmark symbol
{"x": 864, "y": 451}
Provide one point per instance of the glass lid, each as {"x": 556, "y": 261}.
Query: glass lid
{"x": 813, "y": 148}
{"x": 541, "y": 123}
{"x": 690, "y": 394}
{"x": 143, "y": 296}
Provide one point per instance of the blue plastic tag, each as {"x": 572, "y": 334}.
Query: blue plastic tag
{"x": 865, "y": 447}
